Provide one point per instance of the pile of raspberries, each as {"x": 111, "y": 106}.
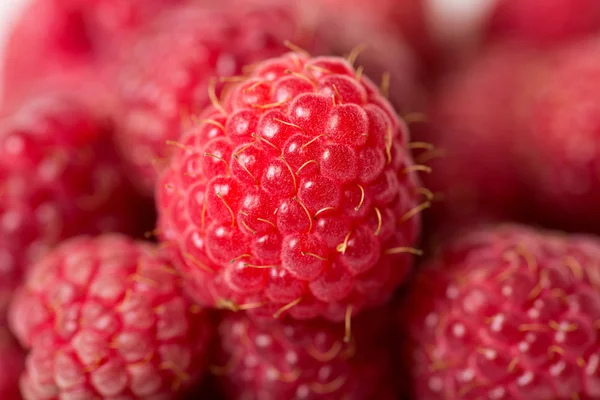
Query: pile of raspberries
{"x": 300, "y": 200}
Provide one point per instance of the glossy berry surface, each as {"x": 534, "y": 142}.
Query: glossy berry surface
{"x": 506, "y": 313}
{"x": 59, "y": 177}
{"x": 305, "y": 360}
{"x": 106, "y": 318}
{"x": 296, "y": 194}
{"x": 168, "y": 72}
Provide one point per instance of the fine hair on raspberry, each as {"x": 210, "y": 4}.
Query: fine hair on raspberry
{"x": 294, "y": 194}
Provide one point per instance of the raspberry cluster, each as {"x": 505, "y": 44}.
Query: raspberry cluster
{"x": 293, "y": 196}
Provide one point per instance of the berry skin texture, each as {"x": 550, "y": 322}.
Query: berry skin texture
{"x": 506, "y": 312}
{"x": 295, "y": 195}
{"x": 106, "y": 318}
{"x": 272, "y": 360}
{"x": 168, "y": 72}
{"x": 60, "y": 177}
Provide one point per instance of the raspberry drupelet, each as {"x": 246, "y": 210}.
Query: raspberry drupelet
{"x": 106, "y": 318}
{"x": 503, "y": 313}
{"x": 167, "y": 71}
{"x": 297, "y": 194}
{"x": 59, "y": 177}
{"x": 273, "y": 360}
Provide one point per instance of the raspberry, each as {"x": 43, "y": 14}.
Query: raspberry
{"x": 559, "y": 129}
{"x": 296, "y": 194}
{"x": 506, "y": 313}
{"x": 272, "y": 360}
{"x": 475, "y": 169}
{"x": 59, "y": 178}
{"x": 60, "y": 37}
{"x": 106, "y": 318}
{"x": 543, "y": 22}
{"x": 167, "y": 73}
{"x": 12, "y": 362}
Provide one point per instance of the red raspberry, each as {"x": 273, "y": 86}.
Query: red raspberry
{"x": 404, "y": 17}
{"x": 168, "y": 72}
{"x": 560, "y": 129}
{"x": 59, "y": 177}
{"x": 106, "y": 318}
{"x": 273, "y": 360}
{"x": 373, "y": 32}
{"x": 58, "y": 37}
{"x": 544, "y": 21}
{"x": 296, "y": 194}
{"x": 475, "y": 171}
{"x": 12, "y": 363}
{"x": 507, "y": 313}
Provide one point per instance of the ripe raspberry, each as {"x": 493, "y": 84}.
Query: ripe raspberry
{"x": 167, "y": 73}
{"x": 543, "y": 22}
{"x": 296, "y": 194}
{"x": 59, "y": 178}
{"x": 12, "y": 363}
{"x": 106, "y": 318}
{"x": 507, "y": 313}
{"x": 474, "y": 165}
{"x": 272, "y": 360}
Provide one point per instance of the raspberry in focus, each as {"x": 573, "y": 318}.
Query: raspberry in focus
{"x": 296, "y": 194}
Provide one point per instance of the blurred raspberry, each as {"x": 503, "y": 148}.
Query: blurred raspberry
{"x": 297, "y": 194}
{"x": 506, "y": 313}
{"x": 472, "y": 128}
{"x": 106, "y": 318}
{"x": 12, "y": 363}
{"x": 544, "y": 22}
{"x": 60, "y": 37}
{"x": 560, "y": 132}
{"x": 167, "y": 72}
{"x": 308, "y": 360}
{"x": 59, "y": 177}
